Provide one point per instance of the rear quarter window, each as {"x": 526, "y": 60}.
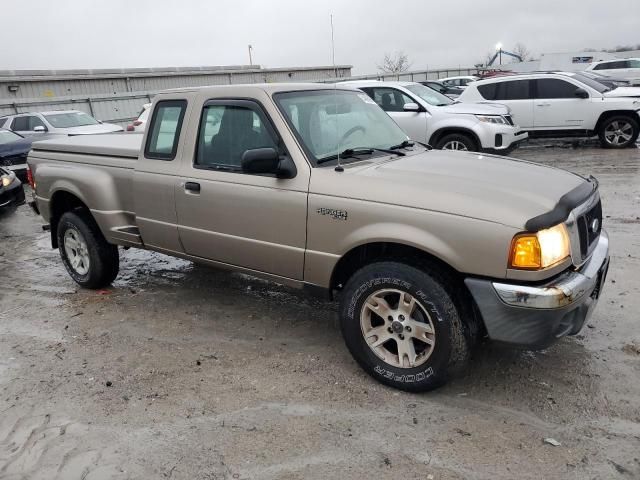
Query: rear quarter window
{"x": 488, "y": 91}
{"x": 164, "y": 130}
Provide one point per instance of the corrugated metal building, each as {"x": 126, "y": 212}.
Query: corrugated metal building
{"x": 117, "y": 95}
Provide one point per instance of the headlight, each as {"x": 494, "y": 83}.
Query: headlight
{"x": 7, "y": 180}
{"x": 534, "y": 251}
{"x": 492, "y": 119}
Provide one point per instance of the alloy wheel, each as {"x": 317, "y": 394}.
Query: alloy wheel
{"x": 76, "y": 250}
{"x": 455, "y": 145}
{"x": 618, "y": 132}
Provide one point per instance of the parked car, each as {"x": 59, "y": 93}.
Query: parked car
{"x": 140, "y": 123}
{"x": 11, "y": 191}
{"x": 561, "y": 105}
{"x": 628, "y": 68}
{"x": 451, "y": 92}
{"x": 614, "y": 88}
{"x": 314, "y": 186}
{"x": 459, "y": 82}
{"x": 430, "y": 117}
{"x": 605, "y": 79}
{"x": 13, "y": 152}
{"x": 63, "y": 122}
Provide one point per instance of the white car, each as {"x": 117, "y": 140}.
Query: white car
{"x": 561, "y": 105}
{"x": 60, "y": 122}
{"x": 459, "y": 82}
{"x": 430, "y": 117}
{"x": 140, "y": 123}
{"x": 621, "y": 68}
{"x": 615, "y": 88}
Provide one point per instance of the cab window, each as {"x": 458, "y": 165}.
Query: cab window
{"x": 164, "y": 133}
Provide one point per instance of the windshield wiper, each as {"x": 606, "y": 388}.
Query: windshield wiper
{"x": 353, "y": 152}
{"x": 404, "y": 144}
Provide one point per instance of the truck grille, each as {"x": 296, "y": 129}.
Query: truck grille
{"x": 589, "y": 227}
{"x": 14, "y": 160}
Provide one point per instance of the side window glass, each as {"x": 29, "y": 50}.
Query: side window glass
{"x": 20, "y": 124}
{"x": 634, "y": 64}
{"x": 390, "y": 99}
{"x": 35, "y": 122}
{"x": 488, "y": 91}
{"x": 227, "y": 131}
{"x": 166, "y": 123}
{"x": 513, "y": 90}
{"x": 554, "y": 88}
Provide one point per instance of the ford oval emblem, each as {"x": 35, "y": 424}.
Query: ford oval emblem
{"x": 595, "y": 224}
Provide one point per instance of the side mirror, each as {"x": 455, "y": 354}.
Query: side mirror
{"x": 267, "y": 160}
{"x": 582, "y": 93}
{"x": 411, "y": 107}
{"x": 39, "y": 129}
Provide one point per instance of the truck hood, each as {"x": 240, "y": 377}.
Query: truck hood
{"x": 476, "y": 108}
{"x": 485, "y": 187}
{"x": 623, "y": 92}
{"x": 91, "y": 129}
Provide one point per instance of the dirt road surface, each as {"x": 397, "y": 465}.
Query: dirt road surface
{"x": 182, "y": 372}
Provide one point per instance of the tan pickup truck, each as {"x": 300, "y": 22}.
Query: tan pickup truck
{"x": 316, "y": 187}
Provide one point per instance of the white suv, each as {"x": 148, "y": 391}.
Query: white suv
{"x": 428, "y": 116}
{"x": 622, "y": 68}
{"x": 560, "y": 105}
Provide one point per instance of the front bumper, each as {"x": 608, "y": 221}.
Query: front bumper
{"x": 12, "y": 196}
{"x": 534, "y": 316}
{"x": 501, "y": 138}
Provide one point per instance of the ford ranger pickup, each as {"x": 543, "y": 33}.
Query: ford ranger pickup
{"x": 315, "y": 187}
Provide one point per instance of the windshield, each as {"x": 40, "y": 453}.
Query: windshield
{"x": 70, "y": 119}
{"x": 7, "y": 137}
{"x": 429, "y": 95}
{"x": 328, "y": 122}
{"x": 599, "y": 87}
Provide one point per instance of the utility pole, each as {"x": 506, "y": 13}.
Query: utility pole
{"x": 250, "y": 57}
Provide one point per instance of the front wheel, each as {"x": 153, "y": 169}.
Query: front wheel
{"x": 457, "y": 141}
{"x": 618, "y": 132}
{"x": 402, "y": 327}
{"x": 90, "y": 260}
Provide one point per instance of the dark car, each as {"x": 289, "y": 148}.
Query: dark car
{"x": 442, "y": 88}
{"x": 11, "y": 191}
{"x": 14, "y": 149}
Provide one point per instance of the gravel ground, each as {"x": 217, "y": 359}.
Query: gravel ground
{"x": 183, "y": 372}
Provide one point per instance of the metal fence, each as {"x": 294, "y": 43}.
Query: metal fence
{"x": 117, "y": 96}
{"x": 417, "y": 75}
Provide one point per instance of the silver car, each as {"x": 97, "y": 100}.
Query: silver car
{"x": 61, "y": 122}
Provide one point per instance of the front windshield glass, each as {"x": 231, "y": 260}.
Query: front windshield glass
{"x": 599, "y": 87}
{"x": 328, "y": 122}
{"x": 7, "y": 137}
{"x": 429, "y": 95}
{"x": 70, "y": 119}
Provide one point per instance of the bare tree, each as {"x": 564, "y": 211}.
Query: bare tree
{"x": 522, "y": 51}
{"x": 395, "y": 63}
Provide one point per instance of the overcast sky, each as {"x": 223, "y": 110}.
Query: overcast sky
{"x": 47, "y": 34}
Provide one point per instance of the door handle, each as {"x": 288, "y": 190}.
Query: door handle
{"x": 192, "y": 187}
{"x": 543, "y": 104}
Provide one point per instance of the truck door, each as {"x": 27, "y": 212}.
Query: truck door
{"x": 226, "y": 215}
{"x": 156, "y": 176}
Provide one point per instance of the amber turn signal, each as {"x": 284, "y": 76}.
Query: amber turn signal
{"x": 525, "y": 252}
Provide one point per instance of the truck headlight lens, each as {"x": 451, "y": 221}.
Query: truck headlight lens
{"x": 492, "y": 119}
{"x": 534, "y": 251}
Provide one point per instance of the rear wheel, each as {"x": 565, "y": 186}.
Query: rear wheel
{"x": 618, "y": 132}
{"x": 402, "y": 326}
{"x": 457, "y": 141}
{"x": 90, "y": 260}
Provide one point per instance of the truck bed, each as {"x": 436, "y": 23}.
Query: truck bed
{"x": 126, "y": 145}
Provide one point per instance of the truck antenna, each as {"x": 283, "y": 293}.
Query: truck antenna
{"x": 339, "y": 167}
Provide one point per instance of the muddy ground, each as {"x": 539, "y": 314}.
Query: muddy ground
{"x": 183, "y": 372}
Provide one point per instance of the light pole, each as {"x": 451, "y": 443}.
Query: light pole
{"x": 499, "y": 49}
{"x": 250, "y": 58}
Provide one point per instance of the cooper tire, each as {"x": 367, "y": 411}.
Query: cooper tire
{"x": 90, "y": 260}
{"x": 450, "y": 341}
{"x": 457, "y": 142}
{"x": 620, "y": 131}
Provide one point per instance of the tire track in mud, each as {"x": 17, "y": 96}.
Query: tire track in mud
{"x": 38, "y": 446}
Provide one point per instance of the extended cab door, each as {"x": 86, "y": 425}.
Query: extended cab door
{"x": 557, "y": 107}
{"x": 254, "y": 221}
{"x": 155, "y": 179}
{"x": 392, "y": 101}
